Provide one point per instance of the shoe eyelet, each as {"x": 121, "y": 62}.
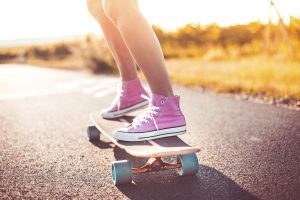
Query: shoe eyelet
{"x": 162, "y": 101}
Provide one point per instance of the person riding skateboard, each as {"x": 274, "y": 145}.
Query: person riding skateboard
{"x": 132, "y": 42}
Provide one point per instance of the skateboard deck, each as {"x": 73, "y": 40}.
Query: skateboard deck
{"x": 163, "y": 147}
{"x": 154, "y": 150}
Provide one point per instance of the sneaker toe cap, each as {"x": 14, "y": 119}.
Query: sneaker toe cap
{"x": 107, "y": 114}
{"x": 120, "y": 133}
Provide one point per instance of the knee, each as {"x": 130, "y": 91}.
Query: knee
{"x": 118, "y": 9}
{"x": 96, "y": 9}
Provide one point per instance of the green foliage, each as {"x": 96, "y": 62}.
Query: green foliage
{"x": 194, "y": 34}
{"x": 49, "y": 52}
{"x": 96, "y": 56}
{"x": 194, "y": 40}
{"x": 294, "y": 28}
{"x": 4, "y": 57}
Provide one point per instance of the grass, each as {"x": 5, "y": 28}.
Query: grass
{"x": 258, "y": 75}
{"x": 86, "y": 53}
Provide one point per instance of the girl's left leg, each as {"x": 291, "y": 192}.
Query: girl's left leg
{"x": 128, "y": 97}
{"x": 141, "y": 42}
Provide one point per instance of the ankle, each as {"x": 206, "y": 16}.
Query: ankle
{"x": 132, "y": 83}
{"x": 129, "y": 79}
{"x": 166, "y": 94}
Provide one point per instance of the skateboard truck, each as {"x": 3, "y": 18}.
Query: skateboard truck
{"x": 122, "y": 172}
{"x": 155, "y": 165}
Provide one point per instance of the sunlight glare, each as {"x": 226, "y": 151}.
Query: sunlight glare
{"x": 57, "y": 18}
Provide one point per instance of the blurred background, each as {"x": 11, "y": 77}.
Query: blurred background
{"x": 248, "y": 48}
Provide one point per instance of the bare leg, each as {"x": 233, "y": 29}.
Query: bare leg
{"x": 141, "y": 42}
{"x": 119, "y": 50}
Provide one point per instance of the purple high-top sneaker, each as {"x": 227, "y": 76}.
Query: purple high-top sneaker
{"x": 127, "y": 99}
{"x": 163, "y": 118}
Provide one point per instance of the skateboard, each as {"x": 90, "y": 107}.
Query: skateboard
{"x": 154, "y": 150}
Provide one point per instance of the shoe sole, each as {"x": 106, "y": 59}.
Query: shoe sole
{"x": 120, "y": 113}
{"x": 134, "y": 137}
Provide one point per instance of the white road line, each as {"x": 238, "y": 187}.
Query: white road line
{"x": 86, "y": 86}
{"x": 33, "y": 94}
{"x": 69, "y": 85}
{"x": 76, "y": 83}
{"x": 94, "y": 88}
{"x": 99, "y": 86}
{"x": 104, "y": 92}
{"x": 89, "y": 81}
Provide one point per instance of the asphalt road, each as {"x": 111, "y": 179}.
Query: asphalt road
{"x": 249, "y": 151}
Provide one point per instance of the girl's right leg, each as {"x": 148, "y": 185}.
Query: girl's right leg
{"x": 129, "y": 95}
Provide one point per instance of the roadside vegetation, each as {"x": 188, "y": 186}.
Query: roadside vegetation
{"x": 253, "y": 59}
{"x": 86, "y": 53}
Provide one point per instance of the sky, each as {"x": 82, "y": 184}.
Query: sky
{"x": 21, "y": 19}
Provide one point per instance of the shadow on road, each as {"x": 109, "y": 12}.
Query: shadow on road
{"x": 209, "y": 183}
{"x": 102, "y": 145}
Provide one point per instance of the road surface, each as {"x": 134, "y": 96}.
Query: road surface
{"x": 249, "y": 151}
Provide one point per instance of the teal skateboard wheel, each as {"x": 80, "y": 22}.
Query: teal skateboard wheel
{"x": 189, "y": 164}
{"x": 121, "y": 172}
{"x": 93, "y": 133}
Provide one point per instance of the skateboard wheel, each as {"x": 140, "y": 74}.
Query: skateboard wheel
{"x": 93, "y": 133}
{"x": 189, "y": 164}
{"x": 121, "y": 172}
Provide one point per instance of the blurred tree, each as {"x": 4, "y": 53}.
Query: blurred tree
{"x": 283, "y": 31}
{"x": 238, "y": 34}
{"x": 294, "y": 27}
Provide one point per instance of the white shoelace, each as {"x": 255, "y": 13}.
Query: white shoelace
{"x": 147, "y": 115}
{"x": 117, "y": 100}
